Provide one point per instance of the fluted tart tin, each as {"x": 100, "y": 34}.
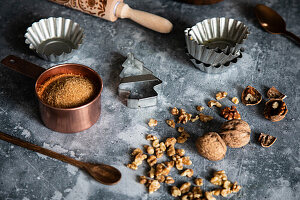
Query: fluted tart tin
{"x": 54, "y": 39}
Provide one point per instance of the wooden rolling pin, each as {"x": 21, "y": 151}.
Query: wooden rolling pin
{"x": 113, "y": 9}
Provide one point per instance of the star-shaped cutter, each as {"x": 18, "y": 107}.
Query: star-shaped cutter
{"x": 138, "y": 86}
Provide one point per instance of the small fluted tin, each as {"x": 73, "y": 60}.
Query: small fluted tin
{"x": 217, "y": 34}
{"x": 54, "y": 39}
{"x": 214, "y": 69}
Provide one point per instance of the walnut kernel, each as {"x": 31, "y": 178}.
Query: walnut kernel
{"x": 152, "y": 122}
{"x": 212, "y": 103}
{"x": 171, "y": 151}
{"x": 136, "y": 151}
{"x": 200, "y": 108}
{"x": 155, "y": 143}
{"x": 169, "y": 180}
{"x": 170, "y": 141}
{"x": 184, "y": 188}
{"x": 235, "y": 100}
{"x": 175, "y": 191}
{"x": 198, "y": 181}
{"x": 205, "y": 118}
{"x": 171, "y": 123}
{"x": 180, "y": 152}
{"x": 152, "y": 160}
{"x": 221, "y": 95}
{"x": 151, "y": 137}
{"x": 154, "y": 185}
{"x": 143, "y": 180}
{"x": 230, "y": 113}
{"x": 187, "y": 172}
{"x": 180, "y": 129}
{"x": 174, "y": 111}
{"x": 149, "y": 149}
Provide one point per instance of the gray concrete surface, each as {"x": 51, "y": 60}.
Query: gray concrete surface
{"x": 269, "y": 60}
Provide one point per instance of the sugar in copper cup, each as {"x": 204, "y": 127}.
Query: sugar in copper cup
{"x": 65, "y": 120}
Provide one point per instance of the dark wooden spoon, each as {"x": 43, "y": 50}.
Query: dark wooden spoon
{"x": 272, "y": 22}
{"x": 104, "y": 174}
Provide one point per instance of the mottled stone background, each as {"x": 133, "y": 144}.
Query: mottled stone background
{"x": 269, "y": 60}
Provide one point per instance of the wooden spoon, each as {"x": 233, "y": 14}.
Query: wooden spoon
{"x": 272, "y": 22}
{"x": 104, "y": 174}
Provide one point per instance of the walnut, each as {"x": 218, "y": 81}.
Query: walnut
{"x": 154, "y": 185}
{"x": 251, "y": 96}
{"x": 212, "y": 103}
{"x": 159, "y": 153}
{"x": 227, "y": 184}
{"x": 219, "y": 178}
{"x": 152, "y": 172}
{"x": 170, "y": 164}
{"x": 221, "y": 95}
{"x": 235, "y": 188}
{"x": 179, "y": 164}
{"x": 152, "y": 122}
{"x": 187, "y": 172}
{"x": 180, "y": 152}
{"x": 198, "y": 181}
{"x": 171, "y": 151}
{"x": 185, "y": 134}
{"x": 273, "y": 93}
{"x": 266, "y": 140}
{"x": 176, "y": 157}
{"x": 275, "y": 110}
{"x": 235, "y": 133}
{"x": 235, "y": 100}
{"x": 186, "y": 160}
{"x": 184, "y": 118}
{"x": 195, "y": 118}
{"x": 211, "y": 146}
{"x": 200, "y": 108}
{"x": 143, "y": 180}
{"x": 152, "y": 160}
{"x": 155, "y": 143}
{"x": 225, "y": 192}
{"x": 184, "y": 188}
{"x": 230, "y": 113}
{"x": 162, "y": 146}
{"x": 169, "y": 180}
{"x": 139, "y": 159}
{"x": 174, "y": 111}
{"x": 170, "y": 141}
{"x": 216, "y": 192}
{"x": 205, "y": 118}
{"x": 197, "y": 192}
{"x": 132, "y": 166}
{"x": 149, "y": 149}
{"x": 171, "y": 123}
{"x": 159, "y": 169}
{"x": 209, "y": 196}
{"x": 181, "y": 139}
{"x": 151, "y": 137}
{"x": 136, "y": 151}
{"x": 160, "y": 178}
{"x": 175, "y": 191}
{"x": 185, "y": 197}
{"x": 180, "y": 129}
{"x": 182, "y": 112}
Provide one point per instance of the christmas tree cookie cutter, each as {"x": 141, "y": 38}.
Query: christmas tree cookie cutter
{"x": 138, "y": 86}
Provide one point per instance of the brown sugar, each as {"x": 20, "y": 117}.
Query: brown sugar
{"x": 67, "y": 91}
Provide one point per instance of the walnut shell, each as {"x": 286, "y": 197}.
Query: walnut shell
{"x": 251, "y": 96}
{"x": 266, "y": 140}
{"x": 273, "y": 93}
{"x": 235, "y": 133}
{"x": 211, "y": 146}
{"x": 275, "y": 110}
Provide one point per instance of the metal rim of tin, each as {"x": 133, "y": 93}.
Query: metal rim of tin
{"x": 216, "y": 34}
{"x": 54, "y": 39}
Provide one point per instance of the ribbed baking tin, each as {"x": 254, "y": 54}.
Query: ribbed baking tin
{"x": 217, "y": 34}
{"x": 54, "y": 39}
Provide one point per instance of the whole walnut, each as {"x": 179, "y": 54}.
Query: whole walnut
{"x": 211, "y": 146}
{"x": 235, "y": 133}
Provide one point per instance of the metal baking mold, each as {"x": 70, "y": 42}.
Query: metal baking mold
{"x": 217, "y": 34}
{"x": 54, "y": 39}
{"x": 214, "y": 69}
{"x": 138, "y": 86}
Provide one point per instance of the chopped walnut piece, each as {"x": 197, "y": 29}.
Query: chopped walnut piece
{"x": 151, "y": 137}
{"x": 175, "y": 191}
{"x": 266, "y": 140}
{"x": 209, "y": 196}
{"x": 180, "y": 152}
{"x": 235, "y": 100}
{"x": 176, "y": 157}
{"x": 182, "y": 112}
{"x": 212, "y": 103}
{"x": 159, "y": 153}
{"x": 139, "y": 159}
{"x": 216, "y": 192}
{"x": 183, "y": 118}
{"x": 170, "y": 141}
{"x": 195, "y": 118}
{"x": 225, "y": 192}
{"x": 186, "y": 160}
{"x": 160, "y": 178}
{"x": 149, "y": 149}
{"x": 159, "y": 169}
{"x": 179, "y": 164}
{"x": 171, "y": 123}
{"x": 235, "y": 188}
{"x": 171, "y": 151}
{"x": 155, "y": 143}
{"x": 169, "y": 180}
{"x": 174, "y": 111}
{"x": 230, "y": 113}
{"x": 184, "y": 188}
{"x": 152, "y": 122}
{"x": 154, "y": 185}
{"x": 162, "y": 146}
{"x": 227, "y": 184}
{"x": 181, "y": 139}
{"x": 198, "y": 181}
{"x": 197, "y": 192}
{"x": 205, "y": 118}
{"x": 132, "y": 166}
{"x": 187, "y": 172}
{"x": 136, "y": 151}
{"x": 152, "y": 172}
{"x": 152, "y": 160}
{"x": 200, "y": 108}
{"x": 185, "y": 197}
{"x": 221, "y": 95}
{"x": 180, "y": 129}
{"x": 219, "y": 178}
{"x": 170, "y": 164}
{"x": 185, "y": 134}
{"x": 143, "y": 180}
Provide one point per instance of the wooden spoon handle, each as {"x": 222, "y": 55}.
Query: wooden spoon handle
{"x": 41, "y": 150}
{"x": 292, "y": 35}
{"x": 148, "y": 20}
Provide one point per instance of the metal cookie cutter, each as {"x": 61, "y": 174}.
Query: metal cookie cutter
{"x": 138, "y": 84}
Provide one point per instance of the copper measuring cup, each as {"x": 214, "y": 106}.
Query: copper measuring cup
{"x": 65, "y": 120}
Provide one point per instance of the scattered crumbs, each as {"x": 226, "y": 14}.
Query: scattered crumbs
{"x": 26, "y": 133}
{"x": 56, "y": 148}
{"x": 57, "y": 196}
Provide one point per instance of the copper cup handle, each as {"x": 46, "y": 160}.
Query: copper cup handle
{"x": 22, "y": 66}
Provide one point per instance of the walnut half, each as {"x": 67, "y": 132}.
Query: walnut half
{"x": 266, "y": 140}
{"x": 275, "y": 110}
{"x": 251, "y": 96}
